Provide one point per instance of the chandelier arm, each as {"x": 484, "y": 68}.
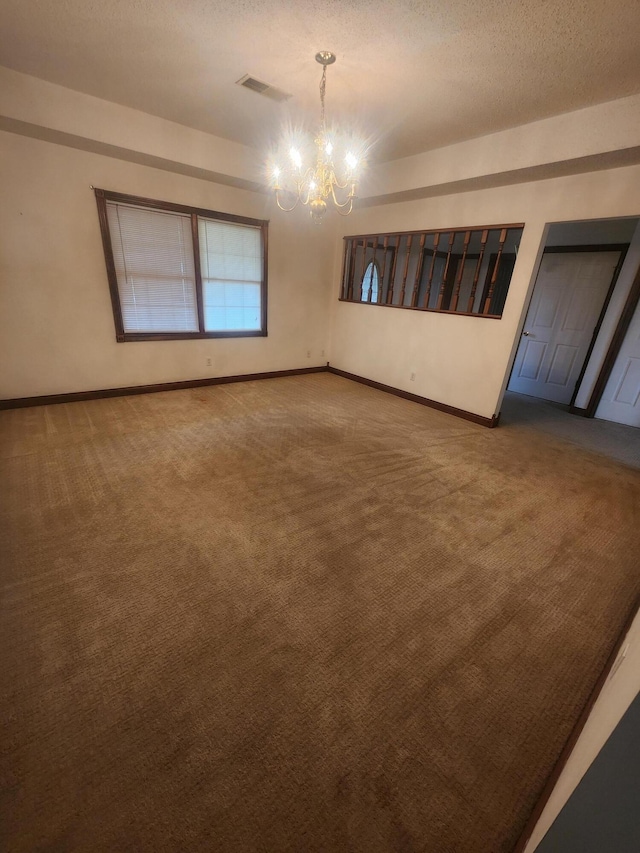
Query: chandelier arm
{"x": 344, "y": 203}
{"x": 337, "y": 183}
{"x": 286, "y": 209}
{"x": 347, "y": 212}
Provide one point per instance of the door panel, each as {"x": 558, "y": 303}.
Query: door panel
{"x": 560, "y": 370}
{"x": 532, "y": 359}
{"x": 567, "y": 300}
{"x": 628, "y": 389}
{"x": 621, "y": 397}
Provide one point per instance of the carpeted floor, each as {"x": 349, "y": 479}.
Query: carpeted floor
{"x": 296, "y": 615}
{"x": 616, "y": 441}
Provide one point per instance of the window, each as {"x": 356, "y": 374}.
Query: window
{"x": 178, "y": 272}
{"x": 369, "y": 286}
{"x": 460, "y": 271}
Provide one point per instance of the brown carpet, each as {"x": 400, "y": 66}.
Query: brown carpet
{"x": 296, "y": 615}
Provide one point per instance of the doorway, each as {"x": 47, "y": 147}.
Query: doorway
{"x": 572, "y": 290}
{"x": 576, "y": 283}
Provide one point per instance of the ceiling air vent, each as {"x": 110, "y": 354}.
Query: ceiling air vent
{"x": 261, "y": 88}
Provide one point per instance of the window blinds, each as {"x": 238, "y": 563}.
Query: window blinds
{"x": 231, "y": 269}
{"x": 153, "y": 256}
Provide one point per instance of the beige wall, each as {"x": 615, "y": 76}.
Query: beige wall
{"x": 56, "y": 325}
{"x": 56, "y": 328}
{"x": 45, "y": 110}
{"x": 465, "y": 361}
{"x": 608, "y": 133}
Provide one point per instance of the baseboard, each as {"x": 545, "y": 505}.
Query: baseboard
{"x": 78, "y": 396}
{"x": 576, "y": 410}
{"x": 416, "y": 398}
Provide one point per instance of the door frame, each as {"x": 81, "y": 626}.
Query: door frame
{"x": 614, "y": 349}
{"x": 573, "y": 249}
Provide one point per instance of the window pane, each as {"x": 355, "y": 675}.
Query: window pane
{"x": 231, "y": 267}
{"x": 370, "y": 283}
{"x": 229, "y": 306}
{"x": 153, "y": 256}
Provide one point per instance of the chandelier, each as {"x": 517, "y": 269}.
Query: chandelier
{"x": 315, "y": 185}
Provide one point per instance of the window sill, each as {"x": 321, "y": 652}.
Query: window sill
{"x": 424, "y": 310}
{"x": 186, "y": 336}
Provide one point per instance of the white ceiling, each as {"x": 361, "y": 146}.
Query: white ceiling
{"x": 411, "y": 75}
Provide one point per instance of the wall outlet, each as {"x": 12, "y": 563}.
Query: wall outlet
{"x": 412, "y": 376}
{"x": 308, "y": 353}
{"x": 322, "y": 353}
{"x": 208, "y": 362}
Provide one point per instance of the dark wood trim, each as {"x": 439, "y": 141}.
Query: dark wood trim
{"x": 128, "y": 337}
{"x": 195, "y": 239}
{"x": 343, "y": 277}
{"x": 601, "y": 316}
{"x": 575, "y": 733}
{"x": 416, "y": 398}
{"x": 173, "y": 207}
{"x": 426, "y": 310}
{"x": 576, "y": 410}
{"x": 392, "y": 276}
{"x": 352, "y": 269}
{"x": 614, "y": 347}
{"x": 498, "y": 227}
{"x": 79, "y": 396}
{"x": 103, "y": 196}
{"x": 264, "y": 290}
{"x": 596, "y": 247}
{"x": 111, "y": 269}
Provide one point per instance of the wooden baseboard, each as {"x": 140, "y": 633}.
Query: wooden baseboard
{"x": 424, "y": 401}
{"x": 569, "y": 746}
{"x": 78, "y": 396}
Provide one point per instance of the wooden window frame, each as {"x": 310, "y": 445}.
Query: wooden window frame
{"x": 104, "y": 196}
{"x": 348, "y": 287}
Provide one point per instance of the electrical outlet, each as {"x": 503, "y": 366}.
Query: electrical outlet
{"x": 412, "y": 376}
{"x": 208, "y": 362}
{"x": 308, "y": 353}
{"x": 322, "y": 353}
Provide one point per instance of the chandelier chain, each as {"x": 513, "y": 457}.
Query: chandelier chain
{"x": 323, "y": 88}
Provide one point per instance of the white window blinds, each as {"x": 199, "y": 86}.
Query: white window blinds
{"x": 153, "y": 257}
{"x": 231, "y": 269}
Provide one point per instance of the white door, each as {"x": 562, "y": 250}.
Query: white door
{"x": 567, "y": 300}
{"x": 620, "y": 400}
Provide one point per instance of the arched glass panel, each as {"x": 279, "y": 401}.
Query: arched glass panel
{"x": 370, "y": 282}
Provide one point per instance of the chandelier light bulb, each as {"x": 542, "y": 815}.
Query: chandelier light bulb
{"x": 351, "y": 160}
{"x": 296, "y": 157}
{"x": 329, "y": 148}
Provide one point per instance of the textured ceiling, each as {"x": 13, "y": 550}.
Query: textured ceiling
{"x": 410, "y": 75}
